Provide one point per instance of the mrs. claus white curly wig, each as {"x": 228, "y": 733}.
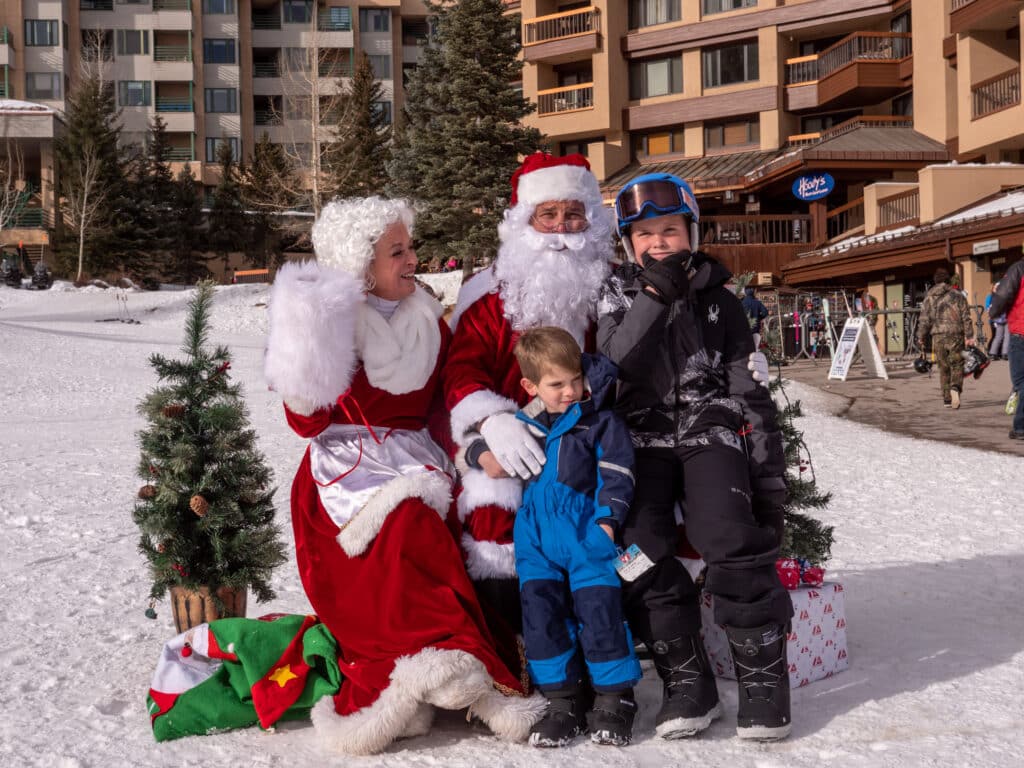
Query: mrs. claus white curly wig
{"x": 346, "y": 231}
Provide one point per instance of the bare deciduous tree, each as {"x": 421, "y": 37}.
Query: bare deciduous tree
{"x": 84, "y": 197}
{"x": 12, "y": 178}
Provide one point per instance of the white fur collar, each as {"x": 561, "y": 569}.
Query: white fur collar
{"x": 400, "y": 354}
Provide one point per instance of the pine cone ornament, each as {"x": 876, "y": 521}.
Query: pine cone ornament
{"x": 174, "y": 411}
{"x": 199, "y": 505}
{"x": 147, "y": 492}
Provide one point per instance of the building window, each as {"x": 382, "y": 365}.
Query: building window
{"x": 720, "y": 6}
{"x": 218, "y": 6}
{"x": 219, "y": 51}
{"x": 381, "y": 66}
{"x": 132, "y": 42}
{"x": 903, "y": 105}
{"x": 655, "y": 77}
{"x": 647, "y": 13}
{"x": 297, "y": 11}
{"x": 296, "y": 59}
{"x": 42, "y": 85}
{"x": 580, "y": 147}
{"x": 900, "y": 24}
{"x": 41, "y": 32}
{"x": 221, "y": 100}
{"x": 134, "y": 93}
{"x": 213, "y": 144}
{"x": 735, "y": 134}
{"x": 819, "y": 123}
{"x": 730, "y": 64}
{"x": 658, "y": 143}
{"x": 97, "y": 44}
{"x": 382, "y": 108}
{"x": 374, "y": 20}
{"x": 298, "y": 107}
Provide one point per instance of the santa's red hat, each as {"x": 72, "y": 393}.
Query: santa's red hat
{"x": 543, "y": 177}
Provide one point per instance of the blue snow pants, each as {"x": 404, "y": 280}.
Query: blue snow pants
{"x": 570, "y": 594}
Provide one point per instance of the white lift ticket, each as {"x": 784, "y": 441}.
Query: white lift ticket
{"x": 632, "y": 563}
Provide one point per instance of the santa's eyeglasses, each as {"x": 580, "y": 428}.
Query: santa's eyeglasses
{"x": 550, "y": 223}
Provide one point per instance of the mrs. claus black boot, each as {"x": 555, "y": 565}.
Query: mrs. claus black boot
{"x": 762, "y": 673}
{"x": 690, "y": 697}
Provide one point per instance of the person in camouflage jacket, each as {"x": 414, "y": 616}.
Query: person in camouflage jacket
{"x": 946, "y": 315}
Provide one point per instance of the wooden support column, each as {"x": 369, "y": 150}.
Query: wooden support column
{"x": 819, "y": 223}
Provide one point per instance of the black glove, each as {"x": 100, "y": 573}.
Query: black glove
{"x": 668, "y": 277}
{"x": 768, "y": 504}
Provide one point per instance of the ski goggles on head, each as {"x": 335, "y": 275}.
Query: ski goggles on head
{"x": 661, "y": 196}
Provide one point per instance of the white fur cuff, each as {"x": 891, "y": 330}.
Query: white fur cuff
{"x": 311, "y": 351}
{"x": 488, "y": 559}
{"x": 474, "y": 408}
{"x": 479, "y": 490}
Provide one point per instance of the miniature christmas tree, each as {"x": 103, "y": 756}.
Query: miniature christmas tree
{"x": 206, "y": 511}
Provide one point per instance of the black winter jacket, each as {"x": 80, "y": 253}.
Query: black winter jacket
{"x": 683, "y": 374}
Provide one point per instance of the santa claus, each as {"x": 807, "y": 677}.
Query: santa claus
{"x": 555, "y": 253}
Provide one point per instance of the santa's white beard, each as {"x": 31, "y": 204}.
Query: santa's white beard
{"x": 551, "y": 279}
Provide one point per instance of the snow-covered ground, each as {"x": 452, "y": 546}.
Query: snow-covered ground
{"x": 930, "y": 543}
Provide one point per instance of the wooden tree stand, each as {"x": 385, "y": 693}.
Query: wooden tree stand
{"x": 193, "y": 608}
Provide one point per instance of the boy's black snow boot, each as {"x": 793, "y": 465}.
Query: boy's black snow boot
{"x": 690, "y": 699}
{"x": 564, "y": 720}
{"x": 762, "y": 673}
{"x": 611, "y": 719}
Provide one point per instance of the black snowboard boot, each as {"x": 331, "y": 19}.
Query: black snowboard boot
{"x": 690, "y": 698}
{"x": 564, "y": 720}
{"x": 611, "y": 719}
{"x": 762, "y": 673}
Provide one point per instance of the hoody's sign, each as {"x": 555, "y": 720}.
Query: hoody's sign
{"x": 813, "y": 186}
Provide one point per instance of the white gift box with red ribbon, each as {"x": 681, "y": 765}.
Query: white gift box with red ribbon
{"x": 817, "y": 639}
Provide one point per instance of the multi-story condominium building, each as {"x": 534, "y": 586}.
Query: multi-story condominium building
{"x": 216, "y": 71}
{"x": 745, "y": 97}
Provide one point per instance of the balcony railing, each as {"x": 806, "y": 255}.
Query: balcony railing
{"x": 172, "y": 5}
{"x": 334, "y": 69}
{"x": 95, "y": 5}
{"x": 180, "y": 155}
{"x": 173, "y": 104}
{"x": 5, "y": 36}
{"x": 266, "y": 69}
{"x": 568, "y": 99}
{"x": 755, "y": 230}
{"x": 266, "y": 117}
{"x": 958, "y": 4}
{"x": 996, "y": 93}
{"x": 334, "y": 20}
{"x": 266, "y": 19}
{"x": 30, "y": 218}
{"x": 902, "y": 208}
{"x": 561, "y": 25}
{"x": 845, "y": 219}
{"x": 860, "y": 46}
{"x": 172, "y": 53}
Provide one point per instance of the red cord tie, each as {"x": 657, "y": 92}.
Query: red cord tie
{"x": 365, "y": 423}
{"x": 746, "y": 429}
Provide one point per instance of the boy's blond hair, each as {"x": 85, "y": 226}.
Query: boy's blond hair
{"x": 539, "y": 350}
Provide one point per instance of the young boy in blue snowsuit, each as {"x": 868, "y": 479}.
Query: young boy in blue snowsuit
{"x": 565, "y": 543}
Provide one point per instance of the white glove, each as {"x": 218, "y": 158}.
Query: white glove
{"x": 757, "y": 363}
{"x": 513, "y": 446}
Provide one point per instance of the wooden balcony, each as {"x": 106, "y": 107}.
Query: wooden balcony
{"x": 996, "y": 93}
{"x": 865, "y": 67}
{"x": 557, "y": 101}
{"x": 755, "y": 243}
{"x": 846, "y": 220}
{"x": 992, "y": 15}
{"x": 900, "y": 210}
{"x": 561, "y": 37}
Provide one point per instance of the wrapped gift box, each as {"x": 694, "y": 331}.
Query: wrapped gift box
{"x": 817, "y": 641}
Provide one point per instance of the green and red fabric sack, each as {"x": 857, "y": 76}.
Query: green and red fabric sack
{"x": 234, "y": 673}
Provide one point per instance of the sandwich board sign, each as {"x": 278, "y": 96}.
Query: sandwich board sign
{"x": 856, "y": 337}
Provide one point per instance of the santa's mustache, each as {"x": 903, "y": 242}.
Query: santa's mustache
{"x": 555, "y": 241}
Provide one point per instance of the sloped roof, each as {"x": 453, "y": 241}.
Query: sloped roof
{"x": 699, "y": 171}
{"x": 876, "y": 139}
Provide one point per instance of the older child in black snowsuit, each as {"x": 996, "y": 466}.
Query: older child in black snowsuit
{"x": 705, "y": 433}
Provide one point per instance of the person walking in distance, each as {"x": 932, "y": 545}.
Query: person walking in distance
{"x": 946, "y": 315}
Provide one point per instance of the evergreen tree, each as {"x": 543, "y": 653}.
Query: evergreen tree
{"x": 206, "y": 512}
{"x": 186, "y": 262}
{"x": 357, "y": 161}
{"x": 228, "y": 225}
{"x": 91, "y": 176}
{"x": 270, "y": 188}
{"x": 462, "y": 135}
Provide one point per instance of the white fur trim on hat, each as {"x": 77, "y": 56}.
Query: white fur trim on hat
{"x": 311, "y": 350}
{"x": 432, "y": 487}
{"x": 559, "y": 182}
